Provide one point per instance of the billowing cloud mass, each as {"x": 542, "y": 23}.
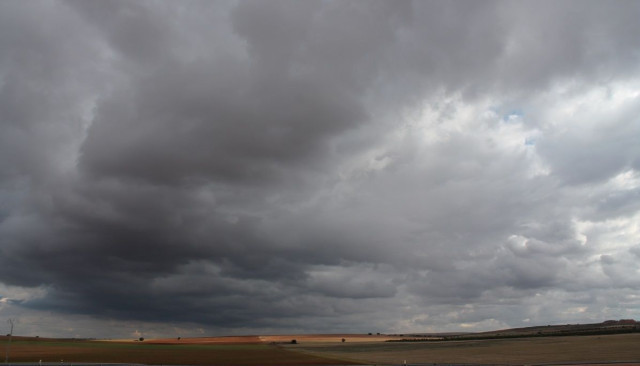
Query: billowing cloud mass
{"x": 206, "y": 168}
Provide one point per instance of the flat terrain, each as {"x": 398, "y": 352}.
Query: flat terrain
{"x": 328, "y": 349}
{"x": 587, "y": 349}
{"x": 156, "y": 353}
{"x": 300, "y": 338}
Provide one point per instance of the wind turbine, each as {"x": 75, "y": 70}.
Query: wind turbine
{"x": 6, "y": 358}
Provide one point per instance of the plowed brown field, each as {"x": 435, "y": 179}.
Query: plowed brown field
{"x": 247, "y": 352}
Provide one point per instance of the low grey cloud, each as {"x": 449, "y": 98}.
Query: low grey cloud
{"x": 253, "y": 167}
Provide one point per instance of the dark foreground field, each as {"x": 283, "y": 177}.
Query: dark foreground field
{"x": 253, "y": 351}
{"x": 520, "y": 351}
{"x": 73, "y": 351}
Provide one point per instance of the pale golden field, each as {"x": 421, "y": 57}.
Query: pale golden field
{"x": 327, "y": 338}
{"x": 268, "y": 339}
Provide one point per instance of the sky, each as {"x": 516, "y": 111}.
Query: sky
{"x": 202, "y": 168}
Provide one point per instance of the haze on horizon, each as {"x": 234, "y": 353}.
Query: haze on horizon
{"x": 239, "y": 167}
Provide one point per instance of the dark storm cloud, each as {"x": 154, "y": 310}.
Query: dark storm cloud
{"x": 39, "y": 76}
{"x": 235, "y": 117}
{"x": 315, "y": 165}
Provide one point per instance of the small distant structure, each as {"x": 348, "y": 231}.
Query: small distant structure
{"x": 627, "y": 321}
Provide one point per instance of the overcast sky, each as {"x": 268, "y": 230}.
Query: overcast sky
{"x": 208, "y": 168}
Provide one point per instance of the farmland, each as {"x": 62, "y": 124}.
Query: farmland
{"x": 328, "y": 349}
{"x": 185, "y": 353}
{"x": 605, "y": 348}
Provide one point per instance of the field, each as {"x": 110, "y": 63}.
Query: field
{"x": 238, "y": 352}
{"x": 329, "y": 350}
{"x": 269, "y": 339}
{"x": 606, "y": 348}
